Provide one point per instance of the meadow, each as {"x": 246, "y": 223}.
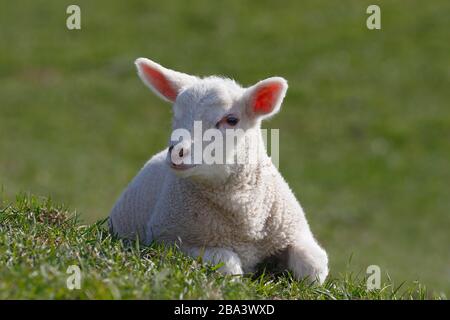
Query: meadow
{"x": 364, "y": 129}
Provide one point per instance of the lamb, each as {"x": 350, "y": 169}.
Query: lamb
{"x": 237, "y": 214}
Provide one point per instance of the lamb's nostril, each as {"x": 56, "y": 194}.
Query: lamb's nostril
{"x": 181, "y": 153}
{"x": 170, "y": 148}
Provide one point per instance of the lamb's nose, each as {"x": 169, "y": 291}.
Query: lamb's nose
{"x": 181, "y": 151}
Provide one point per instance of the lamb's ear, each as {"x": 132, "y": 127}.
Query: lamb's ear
{"x": 264, "y": 98}
{"x": 166, "y": 83}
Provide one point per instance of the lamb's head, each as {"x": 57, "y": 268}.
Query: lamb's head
{"x": 208, "y": 113}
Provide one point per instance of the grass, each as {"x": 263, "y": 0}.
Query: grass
{"x": 363, "y": 130}
{"x": 39, "y": 241}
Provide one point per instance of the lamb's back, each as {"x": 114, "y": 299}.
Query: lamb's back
{"x": 134, "y": 207}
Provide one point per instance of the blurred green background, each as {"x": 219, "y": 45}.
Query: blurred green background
{"x": 364, "y": 130}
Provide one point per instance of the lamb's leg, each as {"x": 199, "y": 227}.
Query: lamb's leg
{"x": 306, "y": 259}
{"x": 231, "y": 262}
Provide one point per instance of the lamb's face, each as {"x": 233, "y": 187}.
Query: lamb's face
{"x": 215, "y": 120}
{"x": 209, "y": 107}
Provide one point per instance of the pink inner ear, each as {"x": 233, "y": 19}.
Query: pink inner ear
{"x": 265, "y": 98}
{"x": 159, "y": 81}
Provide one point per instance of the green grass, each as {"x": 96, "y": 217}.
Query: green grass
{"x": 39, "y": 241}
{"x": 364, "y": 130}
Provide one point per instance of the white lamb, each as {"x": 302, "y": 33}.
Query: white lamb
{"x": 237, "y": 214}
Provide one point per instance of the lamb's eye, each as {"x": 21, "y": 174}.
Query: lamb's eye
{"x": 232, "y": 120}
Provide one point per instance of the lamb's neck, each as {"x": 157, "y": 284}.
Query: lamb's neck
{"x": 243, "y": 192}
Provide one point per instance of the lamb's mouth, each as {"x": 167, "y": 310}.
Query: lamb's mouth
{"x": 182, "y": 166}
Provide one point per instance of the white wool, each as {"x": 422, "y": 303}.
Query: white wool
{"x": 236, "y": 214}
